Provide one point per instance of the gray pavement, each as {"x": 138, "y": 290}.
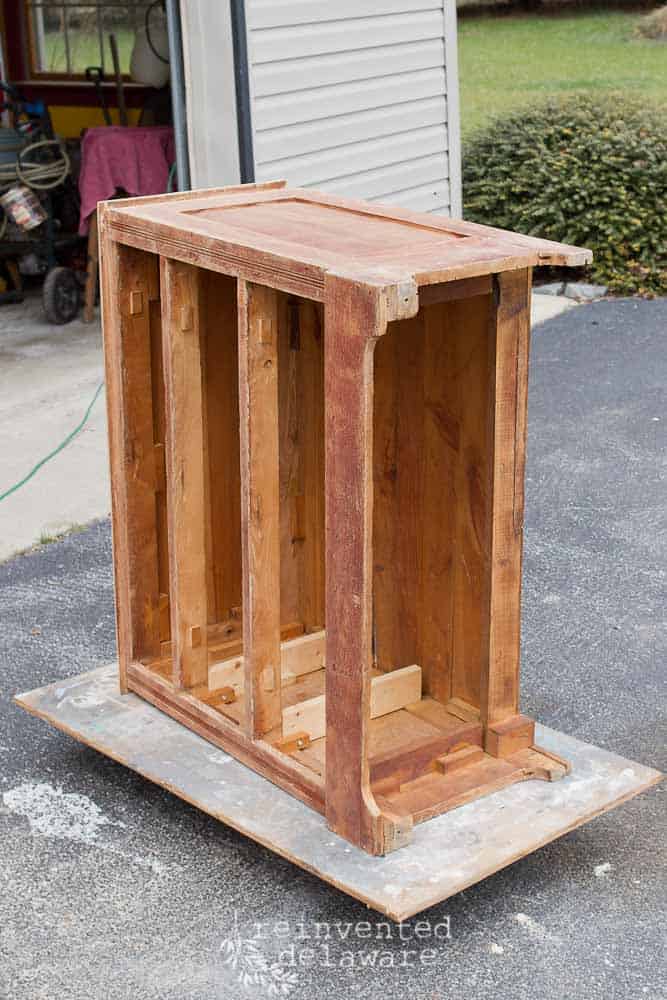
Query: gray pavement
{"x": 113, "y": 888}
{"x": 48, "y": 376}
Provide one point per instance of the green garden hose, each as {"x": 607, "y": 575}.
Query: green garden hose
{"x": 59, "y": 448}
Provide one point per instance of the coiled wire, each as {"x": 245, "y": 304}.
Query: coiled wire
{"x": 38, "y": 176}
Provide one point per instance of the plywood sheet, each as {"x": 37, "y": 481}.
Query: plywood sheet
{"x": 448, "y": 853}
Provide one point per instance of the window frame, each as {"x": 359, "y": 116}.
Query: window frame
{"x": 30, "y": 47}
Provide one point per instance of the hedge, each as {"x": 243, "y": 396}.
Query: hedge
{"x": 586, "y": 170}
{"x": 653, "y": 25}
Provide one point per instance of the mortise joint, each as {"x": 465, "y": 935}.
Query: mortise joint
{"x": 266, "y": 331}
{"x": 186, "y": 319}
{"x": 401, "y": 301}
{"x": 299, "y": 741}
{"x": 269, "y": 678}
{"x": 136, "y": 303}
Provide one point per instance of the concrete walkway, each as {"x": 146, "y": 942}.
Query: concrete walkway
{"x": 48, "y": 375}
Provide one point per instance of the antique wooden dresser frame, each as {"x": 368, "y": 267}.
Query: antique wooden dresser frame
{"x": 317, "y": 414}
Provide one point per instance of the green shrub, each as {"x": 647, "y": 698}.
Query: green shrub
{"x": 585, "y": 170}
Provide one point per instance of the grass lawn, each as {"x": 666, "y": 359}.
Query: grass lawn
{"x": 507, "y": 62}
{"x": 84, "y": 50}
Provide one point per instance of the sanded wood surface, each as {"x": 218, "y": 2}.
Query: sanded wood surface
{"x": 129, "y": 286}
{"x": 219, "y": 320}
{"x": 317, "y": 422}
{"x": 289, "y": 238}
{"x": 501, "y": 620}
{"x": 389, "y": 693}
{"x": 352, "y": 318}
{"x": 439, "y": 862}
{"x": 221, "y": 730}
{"x": 186, "y": 509}
{"x": 260, "y": 504}
{"x": 298, "y": 656}
{"x": 160, "y": 457}
{"x": 301, "y": 433}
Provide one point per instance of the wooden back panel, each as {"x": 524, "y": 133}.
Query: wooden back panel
{"x": 301, "y": 442}
{"x": 301, "y": 390}
{"x": 221, "y": 395}
{"x": 431, "y": 499}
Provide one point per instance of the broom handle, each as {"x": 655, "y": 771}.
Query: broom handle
{"x": 122, "y": 112}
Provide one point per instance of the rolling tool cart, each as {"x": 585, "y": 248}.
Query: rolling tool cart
{"x": 36, "y": 191}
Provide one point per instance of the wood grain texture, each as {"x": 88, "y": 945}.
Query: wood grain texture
{"x": 279, "y": 768}
{"x": 129, "y": 284}
{"x": 517, "y": 732}
{"x": 507, "y": 419}
{"x": 458, "y": 759}
{"x": 299, "y": 656}
{"x": 223, "y": 474}
{"x": 111, "y": 328}
{"x": 92, "y": 268}
{"x": 436, "y": 865}
{"x": 290, "y": 238}
{"x": 468, "y": 775}
{"x": 354, "y": 317}
{"x": 431, "y": 463}
{"x": 290, "y": 424}
{"x": 441, "y": 440}
{"x": 301, "y": 437}
{"x": 407, "y": 761}
{"x": 310, "y": 510}
{"x": 159, "y": 451}
{"x": 398, "y": 477}
{"x": 186, "y": 487}
{"x": 225, "y": 639}
{"x": 358, "y": 466}
{"x": 260, "y": 505}
{"x": 470, "y": 380}
{"x": 389, "y": 692}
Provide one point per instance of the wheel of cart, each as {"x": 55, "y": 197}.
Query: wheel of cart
{"x": 37, "y": 169}
{"x": 61, "y": 295}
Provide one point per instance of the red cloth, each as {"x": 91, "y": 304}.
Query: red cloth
{"x": 135, "y": 159}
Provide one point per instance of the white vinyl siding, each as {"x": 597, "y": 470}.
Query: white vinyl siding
{"x": 208, "y": 63}
{"x": 352, "y": 97}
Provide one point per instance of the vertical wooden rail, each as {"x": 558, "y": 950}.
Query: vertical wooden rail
{"x": 186, "y": 513}
{"x": 219, "y": 313}
{"x": 260, "y": 505}
{"x": 91, "y": 271}
{"x": 354, "y": 318}
{"x": 129, "y": 281}
{"x": 310, "y": 402}
{"x": 509, "y": 341}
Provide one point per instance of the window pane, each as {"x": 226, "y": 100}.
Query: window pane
{"x": 122, "y": 22}
{"x": 48, "y": 33}
{"x": 83, "y": 37}
{"x": 68, "y": 37}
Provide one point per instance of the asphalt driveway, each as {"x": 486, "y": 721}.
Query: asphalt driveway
{"x": 113, "y": 888}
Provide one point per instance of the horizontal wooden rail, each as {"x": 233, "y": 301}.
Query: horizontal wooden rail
{"x": 389, "y": 693}
{"x": 299, "y": 656}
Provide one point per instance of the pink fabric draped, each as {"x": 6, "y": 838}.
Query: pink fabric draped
{"x": 135, "y": 159}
